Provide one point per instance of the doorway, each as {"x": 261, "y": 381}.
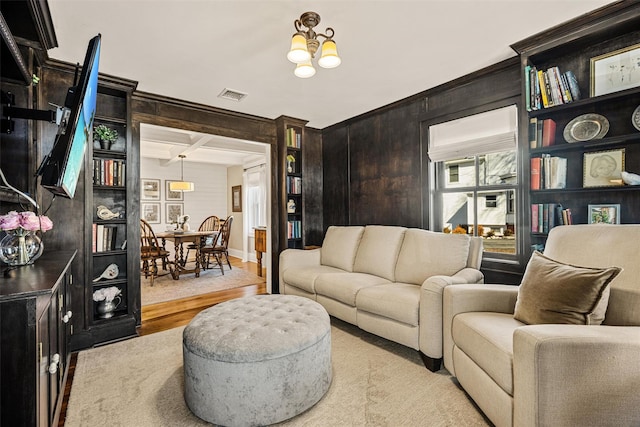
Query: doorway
{"x": 215, "y": 165}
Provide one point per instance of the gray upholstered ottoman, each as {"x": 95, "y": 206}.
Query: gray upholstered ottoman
{"x": 257, "y": 360}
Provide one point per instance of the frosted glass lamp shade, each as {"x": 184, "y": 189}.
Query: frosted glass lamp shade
{"x": 181, "y": 186}
{"x": 329, "y": 58}
{"x": 298, "y": 52}
{"x": 304, "y": 71}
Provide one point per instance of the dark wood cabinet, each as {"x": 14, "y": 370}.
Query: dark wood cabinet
{"x": 35, "y": 328}
{"x": 571, "y": 48}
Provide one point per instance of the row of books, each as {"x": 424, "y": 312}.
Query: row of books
{"x": 550, "y": 87}
{"x": 294, "y": 185}
{"x": 294, "y": 229}
{"x": 109, "y": 172}
{"x": 545, "y": 216}
{"x": 542, "y": 132}
{"x": 103, "y": 237}
{"x": 548, "y": 172}
{"x": 293, "y": 138}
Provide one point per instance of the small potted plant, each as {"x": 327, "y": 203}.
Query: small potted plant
{"x": 105, "y": 136}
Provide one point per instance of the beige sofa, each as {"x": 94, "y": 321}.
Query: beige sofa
{"x": 553, "y": 374}
{"x": 386, "y": 280}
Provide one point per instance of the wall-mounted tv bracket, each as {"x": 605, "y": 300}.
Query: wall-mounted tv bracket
{"x": 9, "y": 112}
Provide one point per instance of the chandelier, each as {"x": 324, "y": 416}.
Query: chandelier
{"x": 304, "y": 46}
{"x": 181, "y": 185}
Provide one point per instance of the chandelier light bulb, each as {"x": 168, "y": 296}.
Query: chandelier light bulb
{"x": 298, "y": 52}
{"x": 329, "y": 58}
{"x": 305, "y": 70}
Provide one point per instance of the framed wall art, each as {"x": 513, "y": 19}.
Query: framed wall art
{"x": 150, "y": 189}
{"x": 150, "y": 212}
{"x": 236, "y": 197}
{"x": 174, "y": 211}
{"x": 172, "y": 195}
{"x": 615, "y": 71}
{"x": 602, "y": 168}
{"x": 604, "y": 214}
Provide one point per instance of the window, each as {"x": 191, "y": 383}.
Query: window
{"x": 256, "y": 209}
{"x": 475, "y": 171}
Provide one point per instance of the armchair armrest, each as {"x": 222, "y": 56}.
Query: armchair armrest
{"x": 431, "y": 308}
{"x": 468, "y": 298}
{"x": 569, "y": 375}
{"x": 297, "y": 258}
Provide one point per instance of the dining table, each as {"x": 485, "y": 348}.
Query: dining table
{"x": 179, "y": 238}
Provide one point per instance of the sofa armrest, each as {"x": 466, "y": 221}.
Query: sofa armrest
{"x": 570, "y": 375}
{"x": 297, "y": 258}
{"x": 431, "y": 308}
{"x": 469, "y": 298}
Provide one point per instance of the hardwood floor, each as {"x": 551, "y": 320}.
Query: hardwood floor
{"x": 168, "y": 315}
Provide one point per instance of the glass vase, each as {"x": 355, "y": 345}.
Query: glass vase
{"x": 20, "y": 247}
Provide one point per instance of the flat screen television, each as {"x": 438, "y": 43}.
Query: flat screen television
{"x": 60, "y": 170}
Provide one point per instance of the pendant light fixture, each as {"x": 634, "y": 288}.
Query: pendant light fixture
{"x": 304, "y": 45}
{"x": 181, "y": 185}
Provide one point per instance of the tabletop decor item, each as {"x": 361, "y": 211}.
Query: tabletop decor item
{"x": 104, "y": 212}
{"x": 22, "y": 245}
{"x": 105, "y": 298}
{"x": 109, "y": 273}
{"x": 105, "y": 136}
{"x": 635, "y": 118}
{"x": 586, "y": 127}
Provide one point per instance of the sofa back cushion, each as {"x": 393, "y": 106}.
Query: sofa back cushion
{"x": 427, "y": 253}
{"x": 378, "y": 251}
{"x": 340, "y": 246}
{"x": 604, "y": 245}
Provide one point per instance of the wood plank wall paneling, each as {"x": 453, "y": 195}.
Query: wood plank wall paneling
{"x": 312, "y": 187}
{"x": 386, "y": 168}
{"x": 335, "y": 170}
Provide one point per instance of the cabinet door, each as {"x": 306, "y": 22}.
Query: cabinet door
{"x": 43, "y": 370}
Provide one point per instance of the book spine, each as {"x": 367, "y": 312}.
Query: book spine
{"x": 535, "y": 173}
{"x": 534, "y": 217}
{"x": 533, "y": 133}
{"x": 548, "y": 132}
{"x": 543, "y": 89}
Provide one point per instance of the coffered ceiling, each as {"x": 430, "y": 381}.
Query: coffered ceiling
{"x": 390, "y": 49}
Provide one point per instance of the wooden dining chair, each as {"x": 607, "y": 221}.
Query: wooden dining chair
{"x": 151, "y": 251}
{"x": 211, "y": 223}
{"x": 219, "y": 248}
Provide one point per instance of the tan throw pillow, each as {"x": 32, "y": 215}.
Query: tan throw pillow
{"x": 554, "y": 292}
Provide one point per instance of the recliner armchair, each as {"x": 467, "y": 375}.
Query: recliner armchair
{"x": 552, "y": 374}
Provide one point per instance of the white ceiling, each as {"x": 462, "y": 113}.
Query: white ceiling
{"x": 390, "y": 49}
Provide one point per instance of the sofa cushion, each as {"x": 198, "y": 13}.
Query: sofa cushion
{"x": 554, "y": 292}
{"x": 378, "y": 250}
{"x": 343, "y": 287}
{"x": 305, "y": 277}
{"x": 487, "y": 338}
{"x": 427, "y": 253}
{"x": 397, "y": 301}
{"x": 339, "y": 246}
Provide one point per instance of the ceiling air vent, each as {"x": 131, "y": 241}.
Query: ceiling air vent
{"x": 233, "y": 95}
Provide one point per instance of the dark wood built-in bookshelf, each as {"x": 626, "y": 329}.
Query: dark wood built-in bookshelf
{"x": 571, "y": 48}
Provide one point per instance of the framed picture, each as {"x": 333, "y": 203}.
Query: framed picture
{"x": 150, "y": 189}
{"x": 172, "y": 195}
{"x": 174, "y": 211}
{"x": 150, "y": 212}
{"x": 604, "y": 214}
{"x": 615, "y": 71}
{"x": 602, "y": 168}
{"x": 236, "y": 196}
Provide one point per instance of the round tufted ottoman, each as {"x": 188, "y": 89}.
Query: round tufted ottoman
{"x": 257, "y": 360}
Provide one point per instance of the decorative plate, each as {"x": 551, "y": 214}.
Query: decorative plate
{"x": 635, "y": 118}
{"x": 586, "y": 127}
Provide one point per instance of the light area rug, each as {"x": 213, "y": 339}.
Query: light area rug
{"x": 166, "y": 289}
{"x": 140, "y": 383}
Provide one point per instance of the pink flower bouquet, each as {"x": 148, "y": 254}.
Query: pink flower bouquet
{"x": 26, "y": 220}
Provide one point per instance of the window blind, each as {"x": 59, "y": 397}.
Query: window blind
{"x": 483, "y": 133}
